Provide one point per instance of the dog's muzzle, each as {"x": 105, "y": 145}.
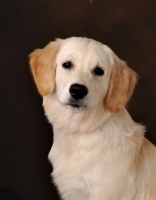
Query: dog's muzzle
{"x": 77, "y": 92}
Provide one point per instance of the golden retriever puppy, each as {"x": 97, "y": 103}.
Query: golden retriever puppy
{"x": 99, "y": 152}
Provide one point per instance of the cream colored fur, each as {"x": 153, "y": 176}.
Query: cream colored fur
{"x": 99, "y": 152}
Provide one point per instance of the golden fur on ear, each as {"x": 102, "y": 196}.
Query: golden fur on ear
{"x": 122, "y": 83}
{"x": 42, "y": 62}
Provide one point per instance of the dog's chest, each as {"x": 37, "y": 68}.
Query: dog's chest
{"x": 82, "y": 165}
{"x": 74, "y": 163}
{"x": 71, "y": 153}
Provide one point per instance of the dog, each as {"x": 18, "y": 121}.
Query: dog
{"x": 99, "y": 152}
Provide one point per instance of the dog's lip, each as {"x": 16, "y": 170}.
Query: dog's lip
{"x": 75, "y": 105}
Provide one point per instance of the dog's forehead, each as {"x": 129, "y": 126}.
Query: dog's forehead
{"x": 85, "y": 48}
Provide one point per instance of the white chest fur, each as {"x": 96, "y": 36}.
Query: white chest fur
{"x": 82, "y": 164}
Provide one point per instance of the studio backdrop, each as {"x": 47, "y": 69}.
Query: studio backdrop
{"x": 127, "y": 27}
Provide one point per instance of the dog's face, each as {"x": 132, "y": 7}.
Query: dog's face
{"x": 83, "y": 74}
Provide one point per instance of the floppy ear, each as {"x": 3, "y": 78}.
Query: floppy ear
{"x": 43, "y": 66}
{"x": 122, "y": 83}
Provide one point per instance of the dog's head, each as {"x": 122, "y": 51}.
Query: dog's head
{"x": 83, "y": 74}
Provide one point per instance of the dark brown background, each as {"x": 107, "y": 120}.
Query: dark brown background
{"x": 127, "y": 26}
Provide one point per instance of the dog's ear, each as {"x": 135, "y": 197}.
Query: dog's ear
{"x": 43, "y": 66}
{"x": 121, "y": 86}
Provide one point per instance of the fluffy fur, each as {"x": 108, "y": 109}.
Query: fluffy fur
{"x": 99, "y": 152}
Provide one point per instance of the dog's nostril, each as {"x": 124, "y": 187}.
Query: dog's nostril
{"x": 78, "y": 91}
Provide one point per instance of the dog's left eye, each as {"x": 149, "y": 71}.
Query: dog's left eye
{"x": 67, "y": 65}
{"x": 98, "y": 71}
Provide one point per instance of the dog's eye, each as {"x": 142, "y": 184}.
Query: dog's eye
{"x": 98, "y": 71}
{"x": 67, "y": 65}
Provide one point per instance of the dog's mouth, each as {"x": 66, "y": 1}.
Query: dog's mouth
{"x": 77, "y": 103}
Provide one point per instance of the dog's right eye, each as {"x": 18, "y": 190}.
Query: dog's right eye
{"x": 98, "y": 71}
{"x": 67, "y": 65}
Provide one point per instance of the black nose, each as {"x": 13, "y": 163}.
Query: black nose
{"x": 78, "y": 91}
